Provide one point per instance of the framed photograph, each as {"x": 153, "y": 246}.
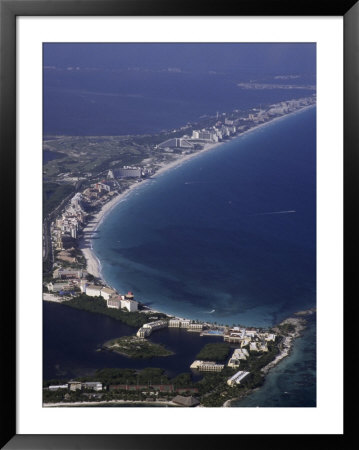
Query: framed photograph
{"x": 175, "y": 186}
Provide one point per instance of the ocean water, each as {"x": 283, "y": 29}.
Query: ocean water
{"x": 228, "y": 236}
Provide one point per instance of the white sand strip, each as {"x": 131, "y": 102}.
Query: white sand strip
{"x": 93, "y": 264}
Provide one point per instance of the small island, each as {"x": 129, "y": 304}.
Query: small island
{"x": 78, "y": 193}
{"x": 135, "y": 347}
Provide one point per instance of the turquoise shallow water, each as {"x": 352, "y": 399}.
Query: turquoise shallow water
{"x": 211, "y": 235}
{"x": 228, "y": 236}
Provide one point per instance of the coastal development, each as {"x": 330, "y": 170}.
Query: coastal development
{"x": 71, "y": 224}
{"x": 72, "y": 276}
{"x": 229, "y": 371}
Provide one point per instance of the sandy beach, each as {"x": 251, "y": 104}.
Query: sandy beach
{"x": 109, "y": 402}
{"x": 85, "y": 244}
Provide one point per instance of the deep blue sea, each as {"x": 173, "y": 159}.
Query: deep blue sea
{"x": 228, "y": 236}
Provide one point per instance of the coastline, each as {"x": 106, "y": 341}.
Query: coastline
{"x": 105, "y": 403}
{"x": 286, "y": 349}
{"x": 85, "y": 244}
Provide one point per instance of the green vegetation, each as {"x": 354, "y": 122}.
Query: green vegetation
{"x": 98, "y": 305}
{"x": 182, "y": 380}
{"x": 135, "y": 347}
{"x": 53, "y": 194}
{"x": 218, "y": 351}
{"x": 53, "y": 396}
{"x": 88, "y": 154}
{"x": 221, "y": 392}
{"x": 213, "y": 387}
{"x": 149, "y": 375}
{"x": 54, "y": 382}
{"x": 286, "y": 328}
{"x": 128, "y": 376}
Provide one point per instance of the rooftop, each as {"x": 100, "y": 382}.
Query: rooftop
{"x": 185, "y": 401}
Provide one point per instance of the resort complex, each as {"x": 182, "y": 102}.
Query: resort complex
{"x": 239, "y": 357}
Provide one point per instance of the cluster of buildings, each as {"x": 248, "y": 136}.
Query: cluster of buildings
{"x": 183, "y": 143}
{"x": 72, "y": 219}
{"x": 250, "y": 340}
{"x": 199, "y": 138}
{"x": 256, "y": 340}
{"x": 103, "y": 186}
{"x": 227, "y": 127}
{"x": 216, "y": 133}
{"x": 69, "y": 223}
{"x": 78, "y": 385}
{"x": 282, "y": 108}
{"x": 72, "y": 281}
{"x": 66, "y": 280}
{"x": 100, "y": 193}
{"x": 113, "y": 299}
{"x": 238, "y": 354}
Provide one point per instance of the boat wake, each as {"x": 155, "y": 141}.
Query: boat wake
{"x": 274, "y": 212}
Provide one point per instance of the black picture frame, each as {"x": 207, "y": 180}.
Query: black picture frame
{"x": 9, "y": 10}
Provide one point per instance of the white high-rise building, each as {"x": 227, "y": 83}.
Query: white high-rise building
{"x": 130, "y": 305}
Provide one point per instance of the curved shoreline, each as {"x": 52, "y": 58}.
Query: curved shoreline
{"x": 286, "y": 350}
{"x": 94, "y": 266}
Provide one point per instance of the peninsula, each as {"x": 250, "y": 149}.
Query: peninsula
{"x": 80, "y": 189}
